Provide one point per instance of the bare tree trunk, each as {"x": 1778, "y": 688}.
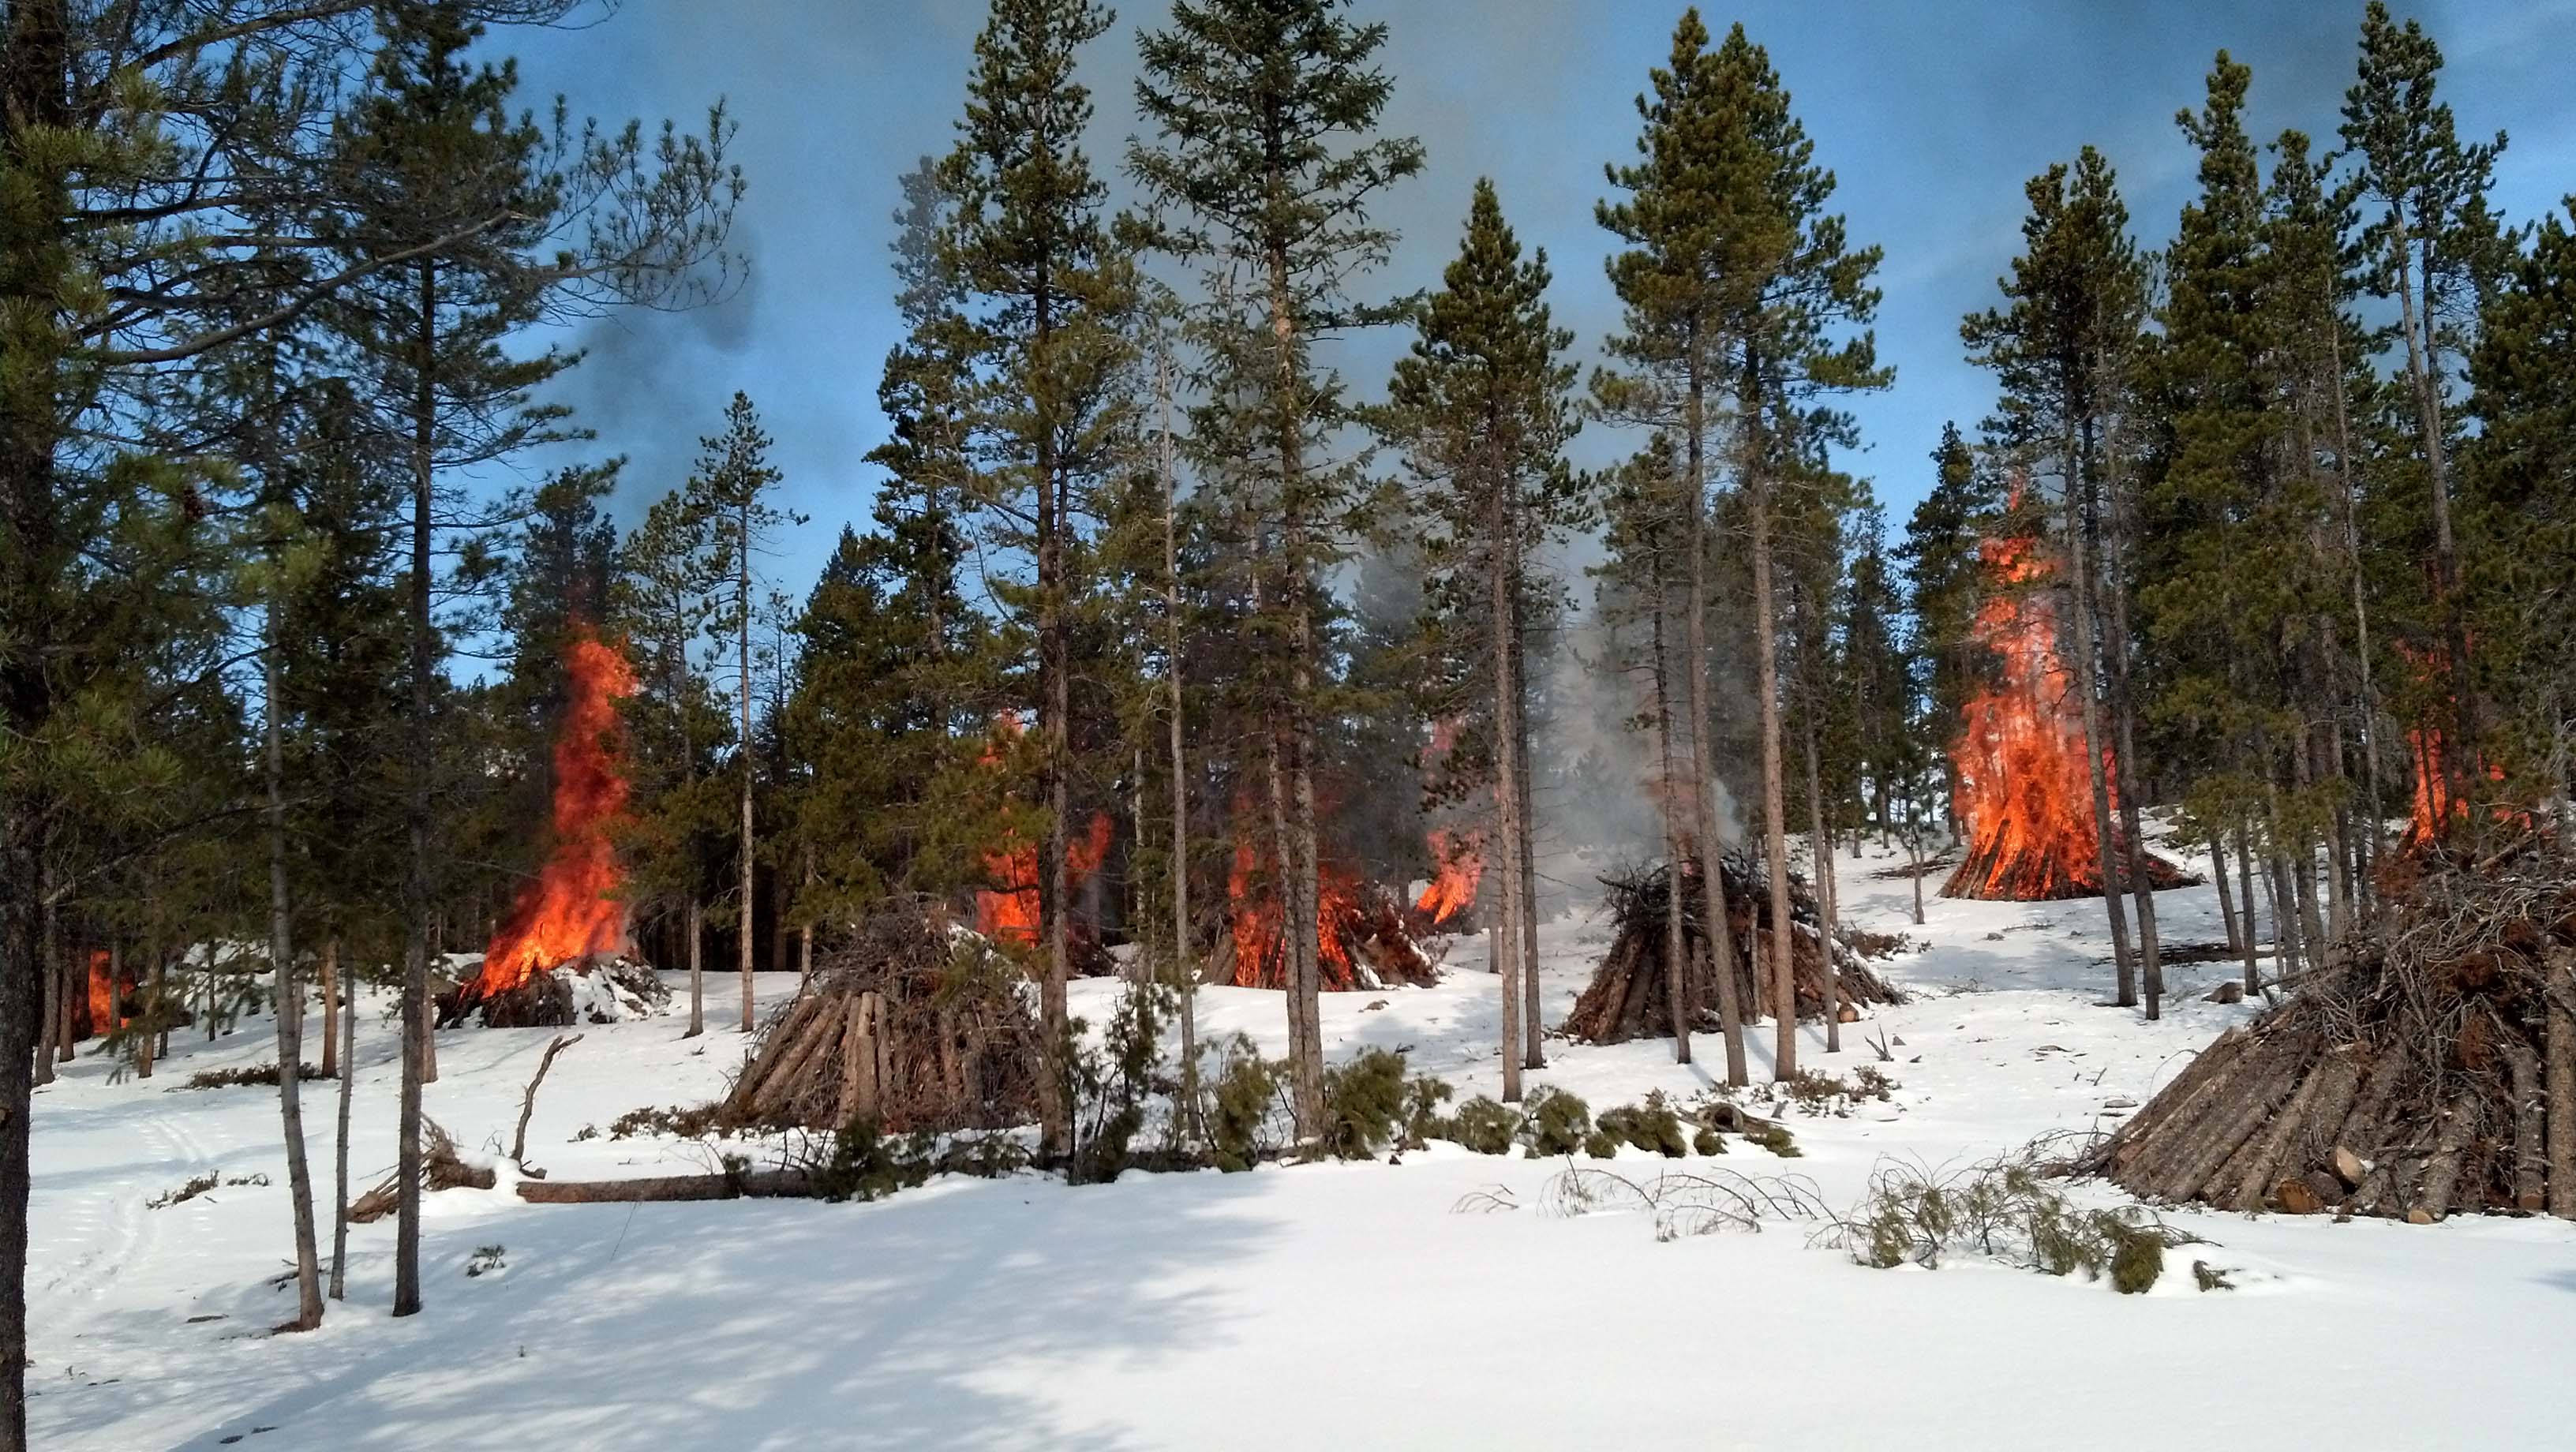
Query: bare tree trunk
{"x": 1712, "y": 846}
{"x": 330, "y": 1015}
{"x": 1187, "y": 973}
{"x": 50, "y": 1027}
{"x": 290, "y": 1007}
{"x": 697, "y": 969}
{"x": 1304, "y": 863}
{"x": 1677, "y": 958}
{"x": 1533, "y": 1022}
{"x": 416, "y": 882}
{"x": 742, "y": 621}
{"x": 1784, "y": 988}
{"x": 2370, "y": 716}
{"x": 2245, "y": 897}
{"x": 1820, "y": 853}
{"x": 348, "y": 1036}
{"x": 2226, "y": 899}
{"x": 147, "y": 1043}
{"x": 1500, "y": 578}
{"x": 2087, "y": 673}
{"x": 805, "y": 933}
{"x": 1914, "y": 858}
{"x": 2124, "y": 714}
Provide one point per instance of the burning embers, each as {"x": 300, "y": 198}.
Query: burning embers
{"x": 572, "y": 910}
{"x": 2025, "y": 791}
{"x": 1009, "y": 909}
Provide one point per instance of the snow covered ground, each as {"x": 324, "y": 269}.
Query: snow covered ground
{"x": 1334, "y": 1306}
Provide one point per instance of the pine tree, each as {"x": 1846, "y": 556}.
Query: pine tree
{"x": 1943, "y": 583}
{"x": 2433, "y": 247}
{"x": 2058, "y": 348}
{"x": 1047, "y": 292}
{"x": 1483, "y": 410}
{"x": 731, "y": 490}
{"x": 1264, "y": 111}
{"x": 1758, "y": 273}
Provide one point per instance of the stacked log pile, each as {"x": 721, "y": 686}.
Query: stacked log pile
{"x": 907, "y": 1023}
{"x": 2425, "y": 1072}
{"x": 1628, "y": 997}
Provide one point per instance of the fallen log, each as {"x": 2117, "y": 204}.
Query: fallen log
{"x": 658, "y": 1189}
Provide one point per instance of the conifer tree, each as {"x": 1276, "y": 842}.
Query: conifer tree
{"x": 2057, "y": 347}
{"x": 1760, "y": 276}
{"x": 1047, "y": 291}
{"x": 2432, "y": 247}
{"x": 732, "y": 488}
{"x": 1943, "y": 583}
{"x": 1482, "y": 410}
{"x": 1265, "y": 162}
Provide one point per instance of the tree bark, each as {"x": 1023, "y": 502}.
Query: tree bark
{"x": 2245, "y": 898}
{"x": 1730, "y": 1013}
{"x": 1505, "y": 936}
{"x": 1677, "y": 987}
{"x": 690, "y": 925}
{"x": 1820, "y": 852}
{"x": 2226, "y": 899}
{"x": 2142, "y": 888}
{"x": 742, "y": 641}
{"x": 1182, "y": 968}
{"x": 348, "y": 1034}
{"x": 2087, "y": 673}
{"x": 416, "y": 881}
{"x": 1783, "y": 974}
{"x": 1302, "y": 864}
{"x": 290, "y": 1005}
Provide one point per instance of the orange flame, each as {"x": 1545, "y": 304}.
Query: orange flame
{"x": 102, "y": 994}
{"x": 571, "y": 909}
{"x": 2025, "y": 787}
{"x": 1260, "y": 960}
{"x": 1010, "y": 908}
{"x": 2435, "y": 806}
{"x": 1461, "y": 866}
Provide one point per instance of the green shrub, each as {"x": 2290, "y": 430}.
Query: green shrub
{"x": 867, "y": 1165}
{"x": 1241, "y": 1126}
{"x": 1649, "y": 1126}
{"x": 2004, "y": 1210}
{"x": 1601, "y": 1145}
{"x": 1423, "y": 1096}
{"x": 1772, "y": 1136}
{"x": 1364, "y": 1100}
{"x": 1484, "y": 1126}
{"x": 1558, "y": 1122}
{"x": 1707, "y": 1142}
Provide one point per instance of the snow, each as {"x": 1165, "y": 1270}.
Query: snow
{"x": 1299, "y": 1307}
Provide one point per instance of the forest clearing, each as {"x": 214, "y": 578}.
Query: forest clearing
{"x": 1284, "y": 723}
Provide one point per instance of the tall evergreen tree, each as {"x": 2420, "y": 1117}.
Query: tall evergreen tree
{"x": 1483, "y": 410}
{"x": 2059, "y": 348}
{"x": 1047, "y": 291}
{"x": 1940, "y": 554}
{"x": 1264, "y": 112}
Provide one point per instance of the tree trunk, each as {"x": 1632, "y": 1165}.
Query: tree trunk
{"x": 147, "y": 1045}
{"x": 742, "y": 643}
{"x": 50, "y": 1024}
{"x": 2142, "y": 889}
{"x": 690, "y": 925}
{"x": 1187, "y": 973}
{"x": 2245, "y": 896}
{"x": 416, "y": 881}
{"x": 1303, "y": 864}
{"x": 1820, "y": 852}
{"x": 1775, "y": 828}
{"x": 290, "y": 1006}
{"x": 2226, "y": 899}
{"x": 348, "y": 1034}
{"x": 1533, "y": 1023}
{"x": 330, "y": 1015}
{"x": 2087, "y": 672}
{"x": 1500, "y": 571}
{"x": 1677, "y": 986}
{"x": 1730, "y": 1012}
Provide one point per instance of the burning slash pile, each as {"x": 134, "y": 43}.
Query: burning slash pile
{"x": 2025, "y": 791}
{"x": 556, "y": 959}
{"x": 908, "y": 1022}
{"x": 1363, "y": 933}
{"x": 1628, "y": 997}
{"x": 2431, "y": 1070}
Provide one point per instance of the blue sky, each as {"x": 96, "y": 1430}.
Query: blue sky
{"x": 1932, "y": 116}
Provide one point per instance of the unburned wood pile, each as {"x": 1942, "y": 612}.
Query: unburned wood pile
{"x": 2427, "y": 1071}
{"x": 908, "y": 1023}
{"x": 1629, "y": 997}
{"x": 441, "y": 1168}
